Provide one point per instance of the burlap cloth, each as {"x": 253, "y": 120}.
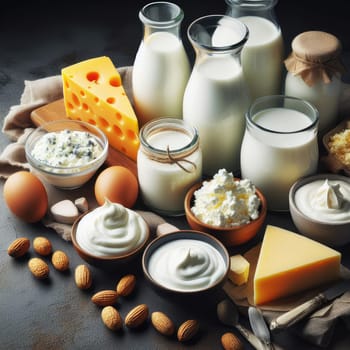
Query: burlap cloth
{"x": 317, "y": 329}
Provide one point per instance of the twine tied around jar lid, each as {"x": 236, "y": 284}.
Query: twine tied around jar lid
{"x": 315, "y": 57}
{"x": 166, "y": 156}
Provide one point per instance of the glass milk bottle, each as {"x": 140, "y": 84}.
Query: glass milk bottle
{"x": 314, "y": 74}
{"x": 216, "y": 96}
{"x": 161, "y": 67}
{"x": 262, "y": 55}
{"x": 169, "y": 162}
{"x": 279, "y": 146}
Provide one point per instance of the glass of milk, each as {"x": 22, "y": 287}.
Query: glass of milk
{"x": 169, "y": 162}
{"x": 161, "y": 66}
{"x": 216, "y": 97}
{"x": 262, "y": 55}
{"x": 279, "y": 146}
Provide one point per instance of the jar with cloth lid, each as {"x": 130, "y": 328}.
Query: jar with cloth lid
{"x": 314, "y": 74}
{"x": 262, "y": 56}
{"x": 169, "y": 162}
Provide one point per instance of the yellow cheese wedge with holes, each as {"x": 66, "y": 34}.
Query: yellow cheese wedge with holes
{"x": 289, "y": 263}
{"x": 93, "y": 92}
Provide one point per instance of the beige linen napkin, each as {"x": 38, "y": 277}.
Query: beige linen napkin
{"x": 318, "y": 328}
{"x": 18, "y": 124}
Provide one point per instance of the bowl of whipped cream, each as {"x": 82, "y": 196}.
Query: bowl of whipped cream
{"x": 231, "y": 209}
{"x": 320, "y": 208}
{"x": 110, "y": 235}
{"x": 186, "y": 263}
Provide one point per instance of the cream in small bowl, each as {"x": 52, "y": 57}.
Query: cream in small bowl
{"x": 66, "y": 153}
{"x": 186, "y": 262}
{"x": 109, "y": 233}
{"x": 320, "y": 208}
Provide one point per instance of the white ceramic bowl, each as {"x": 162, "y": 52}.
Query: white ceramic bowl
{"x": 66, "y": 177}
{"x": 330, "y": 233}
{"x": 199, "y": 264}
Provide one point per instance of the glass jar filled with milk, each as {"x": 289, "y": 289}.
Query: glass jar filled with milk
{"x": 314, "y": 74}
{"x": 262, "y": 55}
{"x": 216, "y": 96}
{"x": 169, "y": 162}
{"x": 279, "y": 146}
{"x": 161, "y": 67}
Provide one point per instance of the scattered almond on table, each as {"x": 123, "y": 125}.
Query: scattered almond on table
{"x": 162, "y": 323}
{"x": 137, "y": 316}
{"x": 230, "y": 342}
{"x": 60, "y": 260}
{"x": 83, "y": 277}
{"x": 187, "y": 330}
{"x": 38, "y": 268}
{"x": 111, "y": 318}
{"x": 105, "y": 297}
{"x": 42, "y": 246}
{"x": 126, "y": 285}
{"x": 18, "y": 247}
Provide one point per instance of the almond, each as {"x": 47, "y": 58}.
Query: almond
{"x": 83, "y": 277}
{"x": 38, "y": 268}
{"x": 42, "y": 246}
{"x": 230, "y": 342}
{"x": 126, "y": 285}
{"x": 60, "y": 260}
{"x": 18, "y": 247}
{"x": 187, "y": 330}
{"x": 162, "y": 323}
{"x": 105, "y": 297}
{"x": 111, "y": 318}
{"x": 137, "y": 316}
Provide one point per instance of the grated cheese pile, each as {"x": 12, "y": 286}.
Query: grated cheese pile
{"x": 339, "y": 146}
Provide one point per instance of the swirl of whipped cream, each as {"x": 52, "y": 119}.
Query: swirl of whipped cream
{"x": 111, "y": 229}
{"x": 325, "y": 200}
{"x": 186, "y": 265}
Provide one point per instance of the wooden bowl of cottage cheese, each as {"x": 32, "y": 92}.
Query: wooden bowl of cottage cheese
{"x": 231, "y": 209}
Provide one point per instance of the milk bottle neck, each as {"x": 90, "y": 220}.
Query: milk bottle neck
{"x": 217, "y": 36}
{"x": 258, "y": 8}
{"x": 161, "y": 17}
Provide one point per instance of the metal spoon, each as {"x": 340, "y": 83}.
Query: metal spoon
{"x": 228, "y": 315}
{"x": 259, "y": 327}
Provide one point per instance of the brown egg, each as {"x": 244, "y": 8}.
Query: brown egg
{"x": 26, "y": 197}
{"x": 117, "y": 184}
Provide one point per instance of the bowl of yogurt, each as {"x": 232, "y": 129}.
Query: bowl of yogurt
{"x": 66, "y": 153}
{"x": 320, "y": 208}
{"x": 110, "y": 235}
{"x": 231, "y": 209}
{"x": 186, "y": 263}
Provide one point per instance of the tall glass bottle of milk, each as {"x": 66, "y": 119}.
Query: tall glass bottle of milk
{"x": 262, "y": 56}
{"x": 161, "y": 68}
{"x": 216, "y": 97}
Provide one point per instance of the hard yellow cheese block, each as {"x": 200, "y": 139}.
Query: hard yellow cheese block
{"x": 289, "y": 263}
{"x": 239, "y": 269}
{"x": 93, "y": 92}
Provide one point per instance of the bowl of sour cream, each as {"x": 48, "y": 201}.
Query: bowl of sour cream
{"x": 186, "y": 262}
{"x": 110, "y": 235}
{"x": 66, "y": 153}
{"x": 320, "y": 208}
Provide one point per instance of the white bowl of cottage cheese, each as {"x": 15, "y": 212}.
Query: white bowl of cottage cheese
{"x": 66, "y": 153}
{"x": 231, "y": 209}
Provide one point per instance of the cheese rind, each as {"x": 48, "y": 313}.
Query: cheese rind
{"x": 289, "y": 263}
{"x": 93, "y": 92}
{"x": 239, "y": 269}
